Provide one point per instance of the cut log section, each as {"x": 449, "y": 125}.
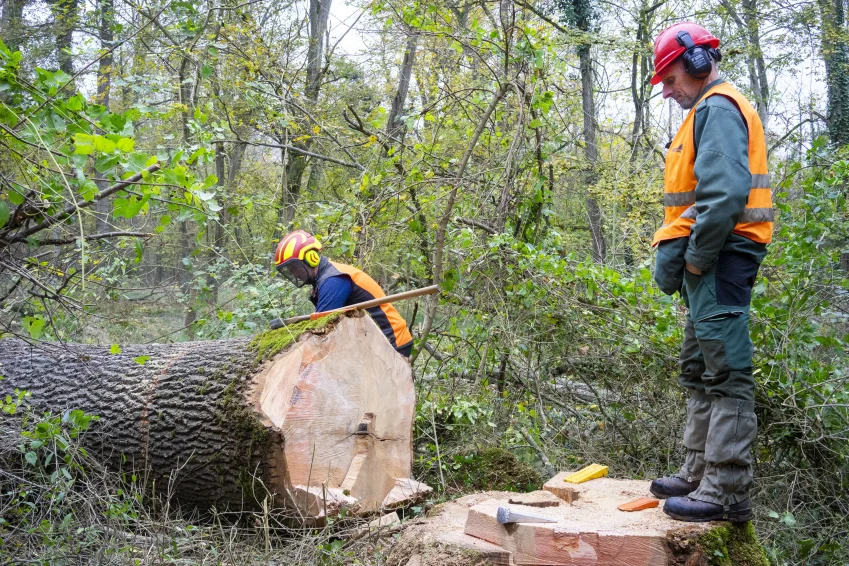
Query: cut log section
{"x": 589, "y": 531}
{"x": 231, "y": 423}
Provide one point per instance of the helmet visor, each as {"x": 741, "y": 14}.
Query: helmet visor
{"x": 295, "y": 271}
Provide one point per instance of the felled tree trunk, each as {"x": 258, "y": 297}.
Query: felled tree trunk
{"x": 231, "y": 423}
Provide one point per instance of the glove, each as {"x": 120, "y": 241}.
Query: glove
{"x": 669, "y": 268}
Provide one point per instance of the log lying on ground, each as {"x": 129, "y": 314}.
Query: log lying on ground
{"x": 590, "y": 530}
{"x": 231, "y": 423}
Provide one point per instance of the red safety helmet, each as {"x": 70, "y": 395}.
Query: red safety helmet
{"x": 667, "y": 49}
{"x": 295, "y": 254}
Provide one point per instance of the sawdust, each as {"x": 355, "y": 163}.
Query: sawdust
{"x": 438, "y": 539}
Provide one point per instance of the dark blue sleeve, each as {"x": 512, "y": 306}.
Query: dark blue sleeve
{"x": 333, "y": 293}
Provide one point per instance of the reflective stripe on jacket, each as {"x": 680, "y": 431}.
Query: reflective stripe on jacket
{"x": 679, "y": 199}
{"x": 365, "y": 288}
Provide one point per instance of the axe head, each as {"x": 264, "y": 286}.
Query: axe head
{"x": 276, "y": 323}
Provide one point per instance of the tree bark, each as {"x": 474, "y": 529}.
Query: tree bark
{"x": 11, "y": 23}
{"x": 295, "y": 165}
{"x": 399, "y": 100}
{"x": 599, "y": 250}
{"x": 749, "y": 25}
{"x": 835, "y": 51}
{"x": 65, "y": 13}
{"x": 213, "y": 425}
{"x": 582, "y": 16}
{"x": 106, "y": 9}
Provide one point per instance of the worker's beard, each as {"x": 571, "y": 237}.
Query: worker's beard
{"x": 688, "y": 102}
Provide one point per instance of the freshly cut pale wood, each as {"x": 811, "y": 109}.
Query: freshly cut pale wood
{"x": 438, "y": 540}
{"x": 536, "y": 499}
{"x": 557, "y": 485}
{"x": 406, "y": 492}
{"x": 565, "y": 542}
{"x": 317, "y": 392}
{"x": 319, "y": 502}
{"x": 366, "y": 479}
{"x": 589, "y": 531}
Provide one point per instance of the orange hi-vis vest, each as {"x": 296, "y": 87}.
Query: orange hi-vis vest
{"x": 387, "y": 317}
{"x": 679, "y": 195}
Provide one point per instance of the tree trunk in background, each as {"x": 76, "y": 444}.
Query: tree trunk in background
{"x": 11, "y": 23}
{"x": 580, "y": 12}
{"x": 187, "y": 95}
{"x": 599, "y": 249}
{"x": 394, "y": 128}
{"x": 835, "y": 52}
{"x": 319, "y": 12}
{"x": 65, "y": 14}
{"x": 747, "y": 22}
{"x": 213, "y": 425}
{"x": 106, "y": 13}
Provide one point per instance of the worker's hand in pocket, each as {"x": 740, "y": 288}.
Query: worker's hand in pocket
{"x": 693, "y": 269}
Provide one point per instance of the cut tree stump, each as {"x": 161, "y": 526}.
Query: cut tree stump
{"x": 590, "y": 531}
{"x": 231, "y": 423}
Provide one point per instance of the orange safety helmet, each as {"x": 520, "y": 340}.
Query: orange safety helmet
{"x": 295, "y": 254}
{"x": 667, "y": 48}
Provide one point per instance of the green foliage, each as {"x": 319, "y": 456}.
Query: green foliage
{"x": 494, "y": 469}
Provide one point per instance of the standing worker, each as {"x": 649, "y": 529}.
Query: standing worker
{"x": 718, "y": 220}
{"x": 336, "y": 285}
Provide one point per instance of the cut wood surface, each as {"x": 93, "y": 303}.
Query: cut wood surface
{"x": 536, "y": 499}
{"x": 465, "y": 532}
{"x": 225, "y": 429}
{"x": 557, "y": 485}
{"x": 438, "y": 540}
{"x": 589, "y": 531}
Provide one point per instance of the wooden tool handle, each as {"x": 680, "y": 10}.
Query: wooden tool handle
{"x": 365, "y": 304}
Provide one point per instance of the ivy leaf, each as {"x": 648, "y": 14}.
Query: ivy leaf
{"x": 141, "y": 360}
{"x": 206, "y": 71}
{"x": 31, "y": 458}
{"x": 115, "y": 349}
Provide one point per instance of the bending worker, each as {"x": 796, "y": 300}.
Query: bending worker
{"x": 718, "y": 220}
{"x": 336, "y": 285}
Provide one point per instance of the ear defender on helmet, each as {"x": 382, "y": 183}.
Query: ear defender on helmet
{"x": 697, "y": 59}
{"x": 312, "y": 258}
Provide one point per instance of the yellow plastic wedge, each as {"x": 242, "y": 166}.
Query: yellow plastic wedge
{"x": 588, "y": 473}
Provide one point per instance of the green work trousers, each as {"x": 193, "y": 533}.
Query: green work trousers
{"x": 716, "y": 367}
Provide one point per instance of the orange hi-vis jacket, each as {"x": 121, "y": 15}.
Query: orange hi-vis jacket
{"x": 387, "y": 317}
{"x": 679, "y": 198}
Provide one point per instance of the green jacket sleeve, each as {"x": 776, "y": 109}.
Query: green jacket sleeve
{"x": 722, "y": 171}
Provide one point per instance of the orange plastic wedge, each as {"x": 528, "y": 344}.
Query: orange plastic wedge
{"x": 639, "y": 504}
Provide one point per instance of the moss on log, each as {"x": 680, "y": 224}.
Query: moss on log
{"x": 724, "y": 544}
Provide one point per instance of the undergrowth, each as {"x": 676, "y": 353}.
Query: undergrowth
{"x": 59, "y": 506}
